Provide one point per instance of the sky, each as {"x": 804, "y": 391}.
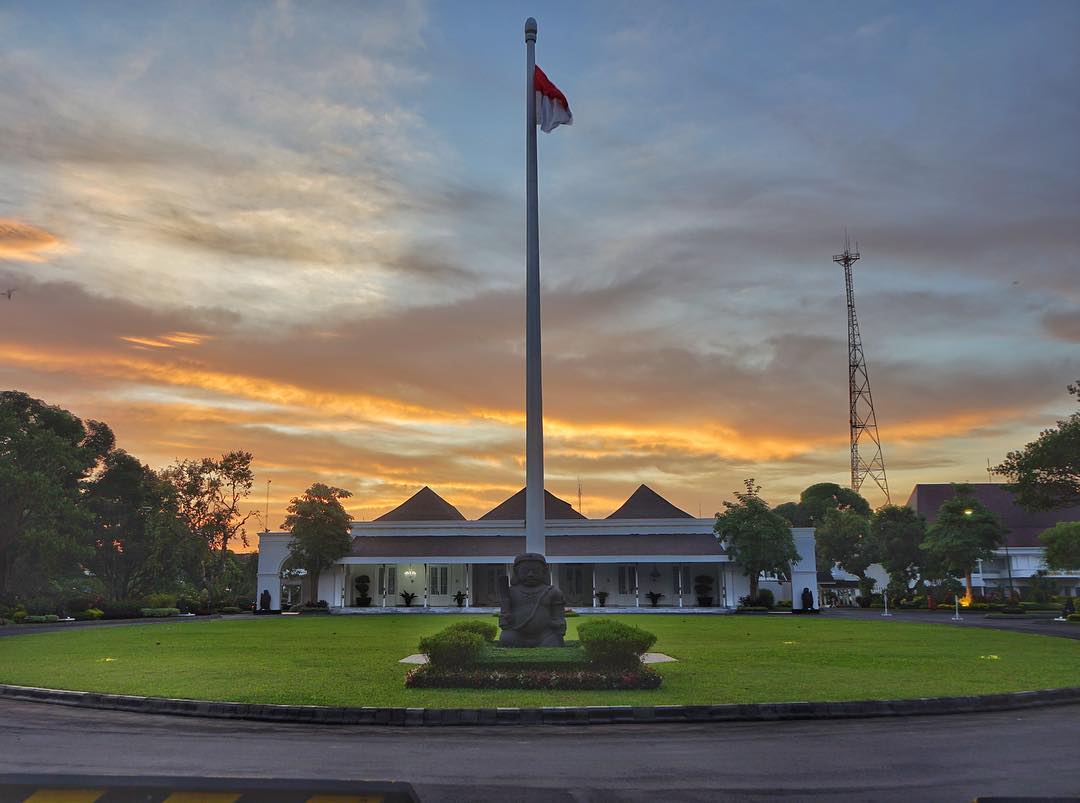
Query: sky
{"x": 298, "y": 229}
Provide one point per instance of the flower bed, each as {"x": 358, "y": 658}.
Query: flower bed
{"x": 592, "y": 679}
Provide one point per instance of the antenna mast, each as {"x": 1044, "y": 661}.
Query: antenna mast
{"x": 860, "y": 402}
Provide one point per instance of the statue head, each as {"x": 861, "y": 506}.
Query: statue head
{"x": 530, "y": 569}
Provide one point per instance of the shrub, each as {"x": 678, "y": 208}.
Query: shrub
{"x": 40, "y": 619}
{"x": 654, "y": 598}
{"x": 1074, "y": 617}
{"x": 751, "y": 609}
{"x": 188, "y": 601}
{"x": 764, "y": 599}
{"x": 486, "y": 630}
{"x": 89, "y": 615}
{"x": 784, "y": 603}
{"x": 81, "y": 602}
{"x": 407, "y": 597}
{"x": 230, "y": 609}
{"x": 122, "y": 609}
{"x": 162, "y": 600}
{"x": 452, "y": 648}
{"x": 156, "y": 613}
{"x": 41, "y": 606}
{"x": 610, "y": 643}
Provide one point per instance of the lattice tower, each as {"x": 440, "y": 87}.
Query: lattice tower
{"x": 861, "y": 404}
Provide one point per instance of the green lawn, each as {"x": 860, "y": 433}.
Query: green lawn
{"x": 353, "y": 660}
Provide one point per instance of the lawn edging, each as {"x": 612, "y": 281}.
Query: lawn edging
{"x": 560, "y": 715}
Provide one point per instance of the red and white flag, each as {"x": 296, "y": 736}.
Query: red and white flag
{"x": 552, "y": 108}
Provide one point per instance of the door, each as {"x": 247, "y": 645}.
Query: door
{"x": 487, "y": 580}
{"x": 575, "y": 582}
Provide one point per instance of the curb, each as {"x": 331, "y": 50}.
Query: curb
{"x": 581, "y": 715}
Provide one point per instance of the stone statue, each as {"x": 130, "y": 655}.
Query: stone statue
{"x": 807, "y": 599}
{"x": 532, "y": 611}
{"x": 264, "y": 600}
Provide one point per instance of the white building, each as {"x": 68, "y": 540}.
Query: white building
{"x": 425, "y": 547}
{"x": 1023, "y": 555}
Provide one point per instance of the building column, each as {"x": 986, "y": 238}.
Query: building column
{"x": 594, "y": 585}
{"x": 678, "y": 582}
{"x": 385, "y": 582}
{"x": 427, "y": 578}
{"x": 468, "y": 585}
{"x": 637, "y": 586}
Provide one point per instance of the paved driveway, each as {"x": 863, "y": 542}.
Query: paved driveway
{"x": 1041, "y": 627}
{"x": 946, "y": 758}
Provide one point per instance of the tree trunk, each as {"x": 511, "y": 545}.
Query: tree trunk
{"x": 754, "y": 584}
{"x": 314, "y": 586}
{"x": 967, "y": 579}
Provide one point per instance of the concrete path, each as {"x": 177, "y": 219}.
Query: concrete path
{"x": 954, "y": 758}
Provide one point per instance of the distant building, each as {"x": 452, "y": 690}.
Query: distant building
{"x": 427, "y": 548}
{"x": 1014, "y": 564}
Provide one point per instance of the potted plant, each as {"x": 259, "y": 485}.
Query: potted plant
{"x": 460, "y": 597}
{"x": 601, "y": 598}
{"x": 408, "y": 597}
{"x": 654, "y": 597}
{"x": 703, "y": 585}
{"x": 362, "y": 584}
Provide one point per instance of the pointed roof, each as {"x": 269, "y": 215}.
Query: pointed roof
{"x": 514, "y": 508}
{"x": 424, "y": 505}
{"x": 645, "y": 503}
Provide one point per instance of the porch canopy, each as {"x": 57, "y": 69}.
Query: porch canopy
{"x": 651, "y": 547}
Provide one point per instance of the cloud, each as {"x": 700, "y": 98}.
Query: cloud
{"x": 25, "y": 242}
{"x": 1063, "y": 325}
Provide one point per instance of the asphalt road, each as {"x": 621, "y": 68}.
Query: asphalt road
{"x": 1040, "y": 627}
{"x": 947, "y": 758}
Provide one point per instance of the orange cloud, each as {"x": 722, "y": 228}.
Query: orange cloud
{"x": 24, "y": 242}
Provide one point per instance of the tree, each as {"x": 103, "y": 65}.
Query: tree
{"x": 46, "y": 454}
{"x": 209, "y": 495}
{"x": 759, "y": 539}
{"x": 898, "y": 532}
{"x": 843, "y": 538}
{"x": 321, "y": 530}
{"x": 964, "y": 532}
{"x": 138, "y": 539}
{"x": 1062, "y": 542}
{"x": 1045, "y": 474}
{"x": 815, "y": 500}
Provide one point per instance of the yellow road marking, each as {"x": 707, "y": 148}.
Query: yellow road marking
{"x": 65, "y": 796}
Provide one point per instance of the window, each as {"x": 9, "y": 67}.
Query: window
{"x": 627, "y": 579}
{"x": 685, "y": 587}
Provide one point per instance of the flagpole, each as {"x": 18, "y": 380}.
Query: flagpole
{"x": 534, "y": 397}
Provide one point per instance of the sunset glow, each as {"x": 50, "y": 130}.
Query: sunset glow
{"x": 297, "y": 230}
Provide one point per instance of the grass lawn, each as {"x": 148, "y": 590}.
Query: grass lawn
{"x": 353, "y": 660}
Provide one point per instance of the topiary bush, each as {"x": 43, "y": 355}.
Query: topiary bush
{"x": 89, "y": 615}
{"x": 488, "y": 631}
{"x": 452, "y": 648}
{"x": 610, "y": 643}
{"x": 40, "y": 619}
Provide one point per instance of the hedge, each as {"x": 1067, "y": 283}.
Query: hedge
{"x": 155, "y": 613}
{"x": 452, "y": 648}
{"x": 433, "y": 677}
{"x": 610, "y": 643}
{"x": 48, "y": 618}
{"x": 485, "y": 630}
